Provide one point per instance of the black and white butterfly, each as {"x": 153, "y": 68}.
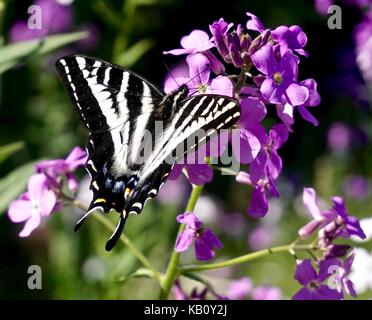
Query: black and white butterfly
{"x": 117, "y": 106}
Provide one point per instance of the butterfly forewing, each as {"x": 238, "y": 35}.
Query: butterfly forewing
{"x": 122, "y": 112}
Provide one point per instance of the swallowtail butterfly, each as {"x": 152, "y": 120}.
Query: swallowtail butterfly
{"x": 117, "y": 106}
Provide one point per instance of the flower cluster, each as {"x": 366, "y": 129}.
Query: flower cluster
{"x": 330, "y": 224}
{"x": 44, "y": 192}
{"x": 264, "y": 75}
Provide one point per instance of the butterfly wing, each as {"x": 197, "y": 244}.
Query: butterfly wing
{"x": 113, "y": 104}
{"x": 194, "y": 120}
{"x": 117, "y": 107}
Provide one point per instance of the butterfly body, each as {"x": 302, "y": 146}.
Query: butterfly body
{"x": 135, "y": 131}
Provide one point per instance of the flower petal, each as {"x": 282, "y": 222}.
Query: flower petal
{"x": 263, "y": 59}
{"x": 258, "y": 205}
{"x": 254, "y": 23}
{"x": 31, "y": 224}
{"x": 297, "y": 94}
{"x": 209, "y": 237}
{"x": 199, "y": 69}
{"x": 221, "y": 85}
{"x": 245, "y": 146}
{"x": 199, "y": 174}
{"x": 305, "y": 272}
{"x": 77, "y": 157}
{"x": 243, "y": 177}
{"x": 197, "y": 41}
{"x": 47, "y": 202}
{"x": 309, "y": 200}
{"x": 189, "y": 219}
{"x": 185, "y": 240}
{"x": 19, "y": 210}
{"x": 271, "y": 91}
{"x": 37, "y": 185}
{"x": 305, "y": 114}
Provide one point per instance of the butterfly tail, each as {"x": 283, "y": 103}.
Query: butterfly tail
{"x": 117, "y": 233}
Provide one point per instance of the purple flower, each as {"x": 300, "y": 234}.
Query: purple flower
{"x": 19, "y": 31}
{"x": 261, "y": 237}
{"x": 262, "y": 189}
{"x": 219, "y": 31}
{"x": 245, "y": 144}
{"x": 312, "y": 282}
{"x": 197, "y": 78}
{"x": 280, "y": 77}
{"x": 55, "y": 169}
{"x": 174, "y": 192}
{"x": 200, "y": 77}
{"x": 285, "y": 111}
{"x": 292, "y": 38}
{"x": 288, "y": 38}
{"x": 268, "y": 160}
{"x": 350, "y": 225}
{"x": 357, "y": 187}
{"x": 56, "y": 18}
{"x": 205, "y": 240}
{"x": 339, "y": 137}
{"x": 254, "y": 23}
{"x": 198, "y": 41}
{"x": 266, "y": 293}
{"x": 240, "y": 289}
{"x": 340, "y": 270}
{"x": 322, "y": 6}
{"x": 197, "y": 174}
{"x": 39, "y": 201}
{"x": 320, "y": 217}
{"x": 335, "y": 221}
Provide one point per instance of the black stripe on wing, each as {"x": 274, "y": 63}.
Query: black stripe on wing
{"x": 102, "y": 92}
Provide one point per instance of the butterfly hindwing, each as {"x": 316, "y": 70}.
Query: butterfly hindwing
{"x": 118, "y": 107}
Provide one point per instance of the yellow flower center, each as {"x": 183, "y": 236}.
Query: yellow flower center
{"x": 202, "y": 88}
{"x": 277, "y": 78}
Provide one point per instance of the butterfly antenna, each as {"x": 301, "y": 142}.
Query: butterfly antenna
{"x": 197, "y": 75}
{"x": 170, "y": 73}
{"x": 117, "y": 233}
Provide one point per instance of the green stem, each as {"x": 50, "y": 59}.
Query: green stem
{"x": 240, "y": 83}
{"x": 123, "y": 238}
{"x": 246, "y": 258}
{"x": 172, "y": 268}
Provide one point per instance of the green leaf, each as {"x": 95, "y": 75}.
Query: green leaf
{"x": 7, "y": 150}
{"x": 12, "y": 185}
{"x": 135, "y": 52}
{"x": 140, "y": 273}
{"x": 15, "y": 53}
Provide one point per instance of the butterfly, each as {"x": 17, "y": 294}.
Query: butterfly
{"x": 122, "y": 112}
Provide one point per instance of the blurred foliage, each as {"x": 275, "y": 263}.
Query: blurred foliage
{"x": 34, "y": 109}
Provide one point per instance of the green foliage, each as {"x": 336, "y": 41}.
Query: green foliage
{"x": 16, "y": 53}
{"x": 13, "y": 184}
{"x": 9, "y": 149}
